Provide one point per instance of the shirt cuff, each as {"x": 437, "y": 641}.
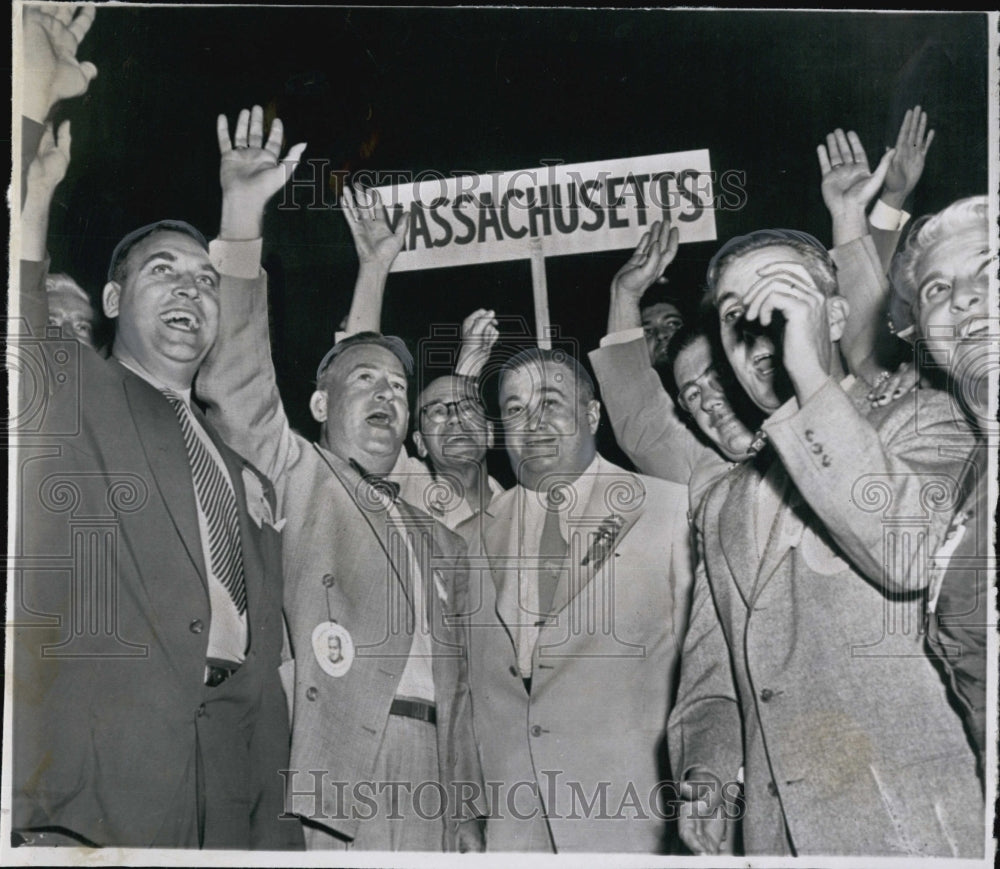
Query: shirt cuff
{"x": 238, "y": 259}
{"x": 623, "y": 337}
{"x": 888, "y": 218}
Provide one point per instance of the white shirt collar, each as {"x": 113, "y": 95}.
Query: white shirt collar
{"x": 139, "y": 371}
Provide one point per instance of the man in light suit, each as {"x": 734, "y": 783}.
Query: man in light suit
{"x": 373, "y": 730}
{"x": 811, "y": 584}
{"x": 575, "y": 635}
{"x": 148, "y": 710}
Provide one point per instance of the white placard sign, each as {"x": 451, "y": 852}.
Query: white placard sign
{"x": 568, "y": 208}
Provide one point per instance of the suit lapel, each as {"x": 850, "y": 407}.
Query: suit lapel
{"x": 376, "y": 519}
{"x": 501, "y": 541}
{"x": 590, "y": 548}
{"x": 785, "y": 532}
{"x": 163, "y": 445}
{"x": 736, "y": 530}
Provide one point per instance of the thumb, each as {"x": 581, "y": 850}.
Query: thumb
{"x": 89, "y": 71}
{"x": 878, "y": 176}
{"x": 294, "y": 155}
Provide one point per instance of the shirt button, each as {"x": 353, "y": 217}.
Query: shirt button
{"x": 536, "y": 730}
{"x": 766, "y": 695}
{"x": 201, "y": 711}
{"x": 772, "y": 788}
{"x": 197, "y": 626}
{"x": 311, "y": 693}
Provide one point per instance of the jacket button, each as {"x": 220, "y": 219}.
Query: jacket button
{"x": 826, "y": 461}
{"x": 766, "y": 695}
{"x": 817, "y": 448}
{"x": 536, "y": 730}
{"x": 513, "y": 671}
{"x": 809, "y": 435}
{"x": 327, "y": 579}
{"x": 311, "y": 693}
{"x": 197, "y": 626}
{"x": 200, "y": 711}
{"x": 772, "y": 788}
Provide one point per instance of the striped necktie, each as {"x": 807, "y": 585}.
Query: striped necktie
{"x": 217, "y": 502}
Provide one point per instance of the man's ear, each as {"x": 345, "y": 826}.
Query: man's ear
{"x": 593, "y": 415}
{"x": 110, "y": 298}
{"x": 837, "y": 309}
{"x": 418, "y": 442}
{"x": 317, "y": 405}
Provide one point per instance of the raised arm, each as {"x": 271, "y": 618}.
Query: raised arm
{"x": 853, "y": 474}
{"x": 47, "y": 169}
{"x": 51, "y": 72}
{"x": 377, "y": 246}
{"x": 479, "y": 333}
{"x": 237, "y": 380}
{"x": 655, "y": 251}
{"x": 848, "y": 186}
{"x": 907, "y": 165}
{"x": 645, "y": 422}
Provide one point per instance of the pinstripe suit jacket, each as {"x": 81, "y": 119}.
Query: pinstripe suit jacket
{"x": 112, "y": 612}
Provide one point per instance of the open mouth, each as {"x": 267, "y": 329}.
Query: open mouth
{"x": 763, "y": 364}
{"x": 380, "y": 419}
{"x": 181, "y": 320}
{"x": 974, "y": 327}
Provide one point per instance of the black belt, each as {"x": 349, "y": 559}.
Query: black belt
{"x": 216, "y": 674}
{"x": 414, "y": 709}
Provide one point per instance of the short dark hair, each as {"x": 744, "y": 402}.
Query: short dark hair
{"x": 393, "y": 344}
{"x": 541, "y": 357}
{"x": 118, "y": 271}
{"x": 664, "y": 294}
{"x": 683, "y": 338}
{"x": 819, "y": 263}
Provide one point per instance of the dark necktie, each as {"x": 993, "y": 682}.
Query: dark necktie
{"x": 217, "y": 502}
{"x": 553, "y": 551}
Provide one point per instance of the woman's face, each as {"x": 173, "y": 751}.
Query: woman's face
{"x": 952, "y": 279}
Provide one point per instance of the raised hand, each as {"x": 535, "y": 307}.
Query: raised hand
{"x": 44, "y": 174}
{"x": 479, "y": 334}
{"x": 374, "y": 241}
{"x": 655, "y": 251}
{"x": 250, "y": 171}
{"x": 910, "y": 153}
{"x": 808, "y": 335}
{"x": 51, "y": 162}
{"x": 848, "y": 184}
{"x": 52, "y": 35}
{"x": 847, "y": 180}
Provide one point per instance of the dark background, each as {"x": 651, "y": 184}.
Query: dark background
{"x": 481, "y": 90}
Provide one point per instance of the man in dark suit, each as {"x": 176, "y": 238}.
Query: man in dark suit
{"x": 382, "y": 741}
{"x": 147, "y": 633}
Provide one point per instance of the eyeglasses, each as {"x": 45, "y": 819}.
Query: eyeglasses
{"x": 439, "y": 411}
